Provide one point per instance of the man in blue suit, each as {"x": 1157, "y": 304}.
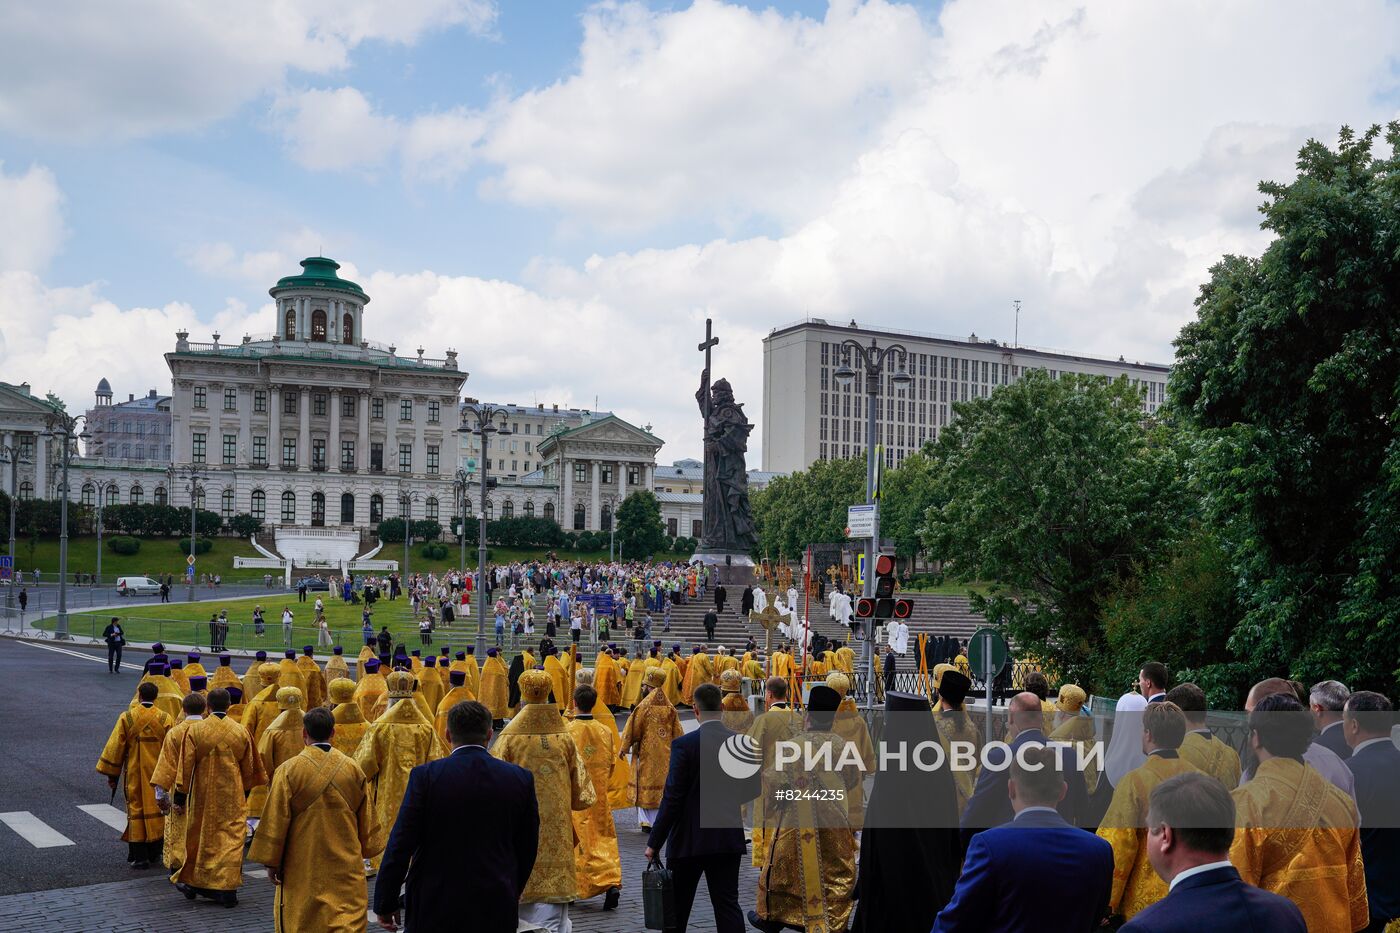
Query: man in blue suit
{"x": 1190, "y": 824}
{"x": 1376, "y": 761}
{"x": 1037, "y": 874}
{"x": 703, "y": 832}
{"x": 470, "y": 824}
{"x": 990, "y": 805}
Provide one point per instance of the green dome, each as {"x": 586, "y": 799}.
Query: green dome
{"x": 318, "y": 272}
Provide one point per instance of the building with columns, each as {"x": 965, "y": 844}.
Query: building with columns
{"x": 315, "y": 425}
{"x": 592, "y": 468}
{"x": 22, "y": 437}
{"x": 136, "y": 430}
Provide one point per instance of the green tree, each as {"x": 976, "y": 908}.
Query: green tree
{"x": 905, "y": 496}
{"x": 807, "y": 506}
{"x": 1291, "y": 373}
{"x": 640, "y": 532}
{"x": 1055, "y": 489}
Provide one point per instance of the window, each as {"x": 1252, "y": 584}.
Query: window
{"x": 318, "y": 325}
{"x": 260, "y": 450}
{"x": 289, "y": 506}
{"x": 529, "y": 510}
{"x": 347, "y": 328}
{"x": 607, "y": 474}
{"x": 490, "y": 510}
{"x": 434, "y": 410}
{"x": 405, "y": 458}
{"x": 606, "y": 521}
{"x": 160, "y": 497}
{"x": 376, "y": 456}
{"x": 514, "y": 466}
{"x": 549, "y": 511}
{"x": 580, "y": 472}
{"x": 318, "y": 509}
{"x": 508, "y": 509}
{"x": 578, "y": 518}
{"x": 26, "y": 444}
{"x": 259, "y": 509}
{"x": 230, "y": 449}
{"x": 347, "y": 455}
{"x": 140, "y": 453}
{"x": 198, "y": 448}
{"x": 347, "y": 508}
{"x": 230, "y": 399}
{"x": 89, "y": 494}
{"x": 634, "y": 475}
{"x": 259, "y": 400}
{"x": 26, "y": 490}
{"x": 289, "y": 331}
{"x": 226, "y": 503}
{"x": 289, "y": 451}
{"x": 432, "y": 458}
{"x": 347, "y": 405}
{"x": 670, "y": 527}
{"x": 318, "y": 454}
{"x": 200, "y": 398}
{"x": 695, "y": 528}
{"x": 137, "y": 494}
{"x": 376, "y": 409}
{"x": 406, "y": 409}
{"x": 289, "y": 402}
{"x": 431, "y": 508}
{"x": 376, "y": 509}
{"x": 318, "y": 404}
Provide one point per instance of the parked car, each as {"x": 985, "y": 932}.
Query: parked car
{"x": 137, "y": 586}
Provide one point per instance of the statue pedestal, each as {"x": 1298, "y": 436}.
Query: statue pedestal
{"x": 733, "y": 568}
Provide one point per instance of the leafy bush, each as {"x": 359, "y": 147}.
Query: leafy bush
{"x": 588, "y": 541}
{"x": 424, "y": 529}
{"x": 244, "y": 525}
{"x": 434, "y": 551}
{"x": 123, "y": 544}
{"x": 525, "y": 533}
{"x": 201, "y": 545}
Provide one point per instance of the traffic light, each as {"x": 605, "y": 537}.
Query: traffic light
{"x": 883, "y": 605}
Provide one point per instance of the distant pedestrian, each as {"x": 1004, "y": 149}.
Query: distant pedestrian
{"x": 23, "y": 600}
{"x": 301, "y": 591}
{"x": 115, "y": 639}
{"x": 259, "y": 624}
{"x": 286, "y": 626}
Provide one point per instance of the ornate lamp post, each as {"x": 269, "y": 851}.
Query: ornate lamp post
{"x": 481, "y": 419}
{"x": 461, "y": 485}
{"x": 406, "y": 500}
{"x": 610, "y": 500}
{"x": 872, "y": 360}
{"x": 13, "y": 457}
{"x": 63, "y": 427}
{"x": 193, "y": 474}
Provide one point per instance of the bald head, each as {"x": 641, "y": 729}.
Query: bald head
{"x": 1267, "y": 688}
{"x": 1023, "y": 712}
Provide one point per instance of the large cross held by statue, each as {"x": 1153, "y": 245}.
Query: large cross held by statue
{"x": 710, "y": 341}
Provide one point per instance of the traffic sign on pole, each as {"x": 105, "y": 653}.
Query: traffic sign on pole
{"x": 6, "y": 567}
{"x": 980, "y": 650}
{"x": 190, "y": 560}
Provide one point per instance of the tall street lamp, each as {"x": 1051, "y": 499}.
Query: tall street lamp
{"x": 481, "y": 419}
{"x": 406, "y": 500}
{"x": 12, "y": 456}
{"x": 63, "y": 427}
{"x": 461, "y": 481}
{"x": 610, "y": 500}
{"x": 872, "y": 360}
{"x": 193, "y": 474}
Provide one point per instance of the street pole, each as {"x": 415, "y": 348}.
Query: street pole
{"x": 12, "y": 454}
{"x": 67, "y": 424}
{"x": 484, "y": 417}
{"x": 98, "y": 580}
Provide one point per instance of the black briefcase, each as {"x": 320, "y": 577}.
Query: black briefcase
{"x": 658, "y": 897}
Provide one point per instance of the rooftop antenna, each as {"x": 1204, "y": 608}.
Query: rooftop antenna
{"x": 1016, "y": 340}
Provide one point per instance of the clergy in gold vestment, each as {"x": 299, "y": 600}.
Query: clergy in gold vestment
{"x": 317, "y": 829}
{"x": 314, "y": 694}
{"x": 134, "y": 748}
{"x": 336, "y": 667}
{"x": 178, "y": 675}
{"x": 223, "y": 675}
{"x": 724, "y": 661}
{"x": 395, "y": 744}
{"x": 350, "y": 723}
{"x": 217, "y": 765}
{"x": 1136, "y": 883}
{"x": 619, "y": 787}
{"x": 672, "y": 684}
{"x": 430, "y": 684}
{"x": 697, "y": 672}
{"x": 281, "y": 741}
{"x": 259, "y": 713}
{"x": 1200, "y": 747}
{"x": 163, "y": 781}
{"x": 495, "y": 688}
{"x": 193, "y": 667}
{"x": 1077, "y": 729}
{"x": 468, "y": 662}
{"x": 168, "y": 695}
{"x": 735, "y": 713}
{"x": 608, "y": 678}
{"x": 955, "y": 725}
{"x": 776, "y": 724}
{"x": 289, "y": 674}
{"x": 560, "y": 678}
{"x": 752, "y": 668}
{"x": 596, "y": 859}
{"x": 850, "y": 726}
{"x": 632, "y": 684}
{"x": 650, "y": 729}
{"x": 1296, "y": 832}
{"x": 538, "y": 741}
{"x": 252, "y": 677}
{"x": 370, "y": 688}
{"x": 459, "y": 693}
{"x": 809, "y": 875}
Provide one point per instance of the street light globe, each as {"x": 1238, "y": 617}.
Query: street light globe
{"x": 902, "y": 380}
{"x": 844, "y": 376}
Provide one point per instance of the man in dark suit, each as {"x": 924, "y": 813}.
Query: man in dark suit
{"x": 1327, "y": 700}
{"x": 706, "y": 840}
{"x": 1376, "y": 761}
{"x": 466, "y": 796}
{"x": 1036, "y": 873}
{"x": 990, "y": 805}
{"x": 1190, "y": 824}
{"x": 1152, "y": 681}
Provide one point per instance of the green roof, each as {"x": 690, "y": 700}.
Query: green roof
{"x": 318, "y": 272}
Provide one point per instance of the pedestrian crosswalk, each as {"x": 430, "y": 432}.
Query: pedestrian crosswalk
{"x": 41, "y": 835}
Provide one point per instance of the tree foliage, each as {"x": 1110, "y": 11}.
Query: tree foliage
{"x": 1055, "y": 489}
{"x": 906, "y": 493}
{"x": 1291, "y": 372}
{"x": 807, "y": 506}
{"x": 424, "y": 529}
{"x": 640, "y": 531}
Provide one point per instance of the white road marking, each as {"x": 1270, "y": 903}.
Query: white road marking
{"x": 75, "y": 654}
{"x": 34, "y": 830}
{"x": 106, "y": 813}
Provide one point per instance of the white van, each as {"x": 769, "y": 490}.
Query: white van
{"x": 137, "y": 586}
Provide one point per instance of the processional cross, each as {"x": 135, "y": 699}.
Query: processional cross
{"x": 710, "y": 341}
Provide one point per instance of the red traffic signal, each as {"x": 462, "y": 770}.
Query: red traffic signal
{"x": 865, "y": 607}
{"x": 884, "y": 565}
{"x": 903, "y": 608}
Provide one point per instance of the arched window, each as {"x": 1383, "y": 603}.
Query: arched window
{"x": 318, "y": 509}
{"x": 318, "y": 326}
{"x": 432, "y": 508}
{"x": 160, "y": 497}
{"x": 137, "y": 494}
{"x": 26, "y": 490}
{"x": 578, "y": 518}
{"x": 290, "y": 332}
{"x": 549, "y": 511}
{"x": 529, "y": 509}
{"x": 376, "y": 509}
{"x": 289, "y": 507}
{"x": 226, "y": 503}
{"x": 259, "y": 510}
{"x": 347, "y": 509}
{"x": 89, "y": 494}
{"x": 607, "y": 518}
{"x": 114, "y": 495}
{"x": 508, "y": 509}
{"x": 347, "y": 328}
{"x": 490, "y": 510}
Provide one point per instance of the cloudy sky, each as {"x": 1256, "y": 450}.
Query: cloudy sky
{"x": 563, "y": 192}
